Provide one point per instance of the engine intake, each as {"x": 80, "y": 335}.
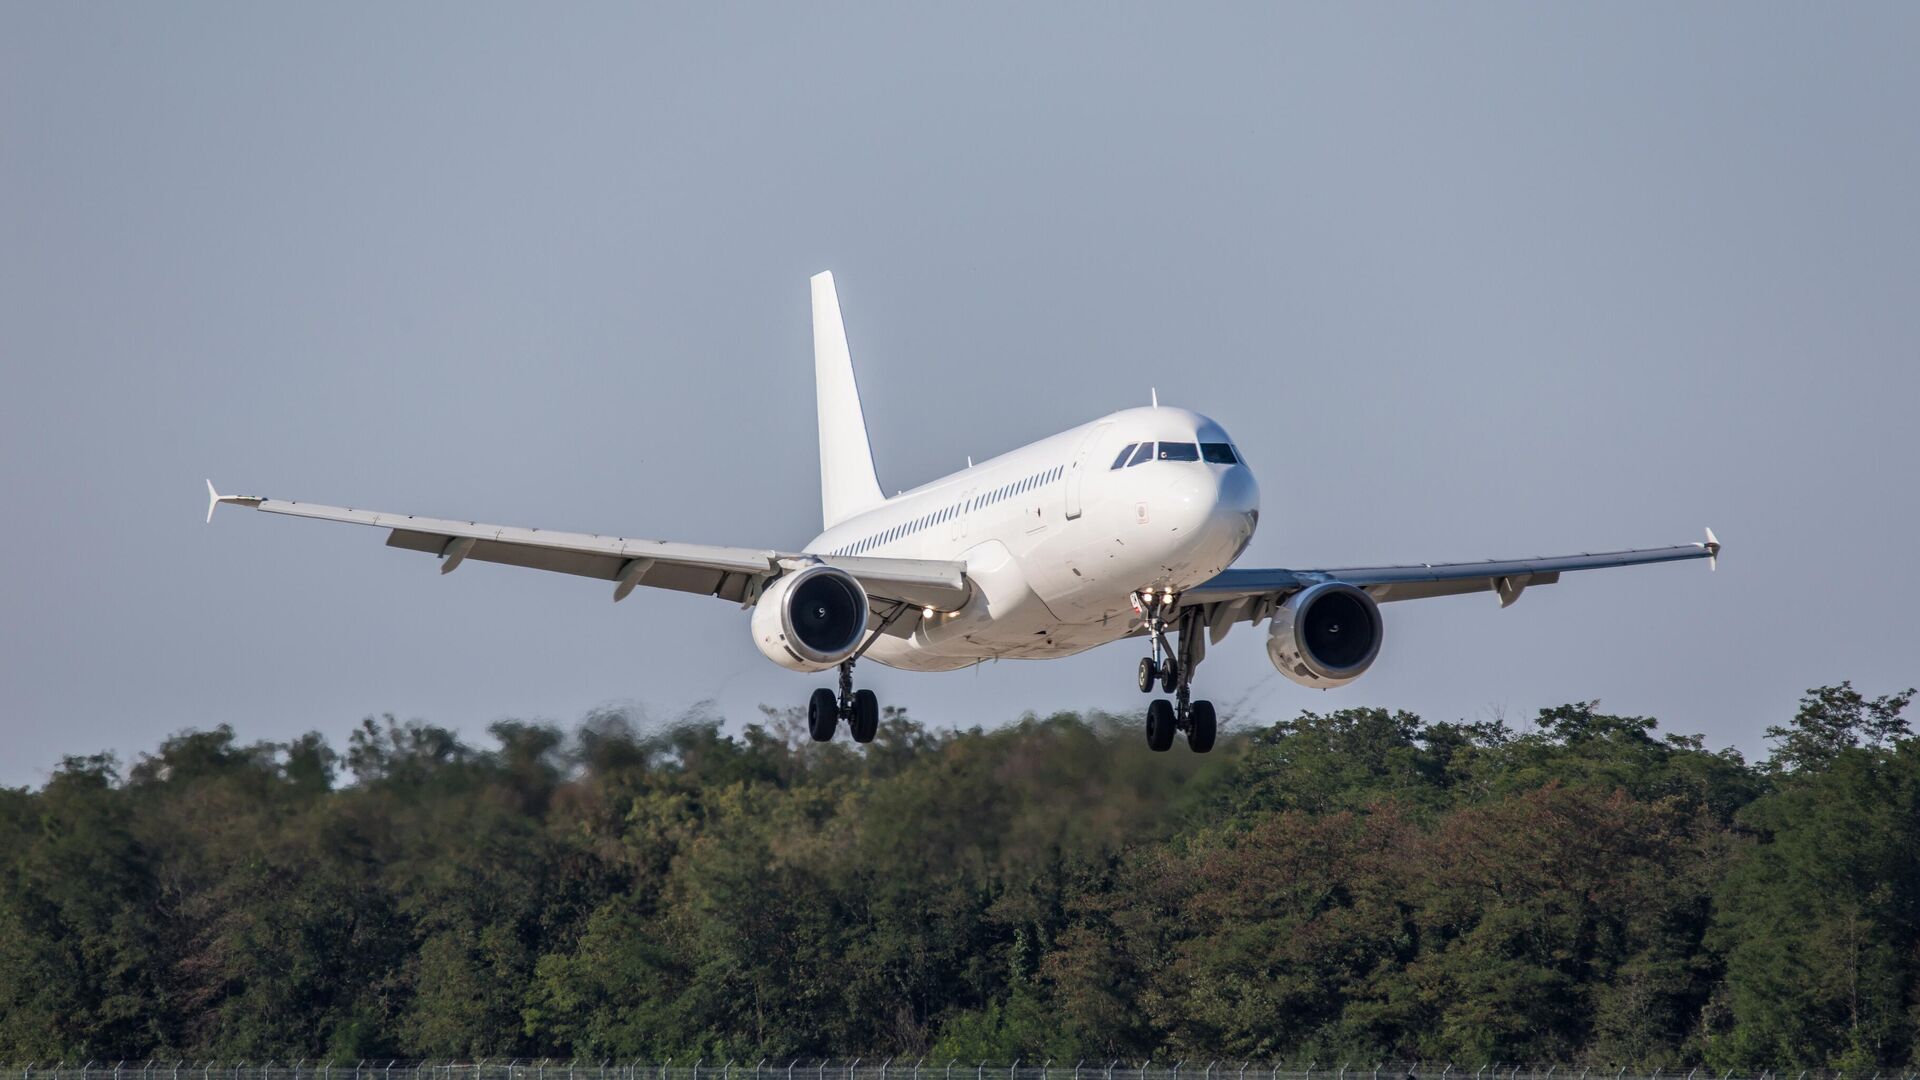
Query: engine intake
{"x": 1325, "y": 636}
{"x": 811, "y": 619}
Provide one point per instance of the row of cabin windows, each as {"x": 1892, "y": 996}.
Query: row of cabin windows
{"x": 1004, "y": 491}
{"x": 1216, "y": 453}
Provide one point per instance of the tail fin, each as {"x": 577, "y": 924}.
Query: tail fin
{"x": 847, "y": 483}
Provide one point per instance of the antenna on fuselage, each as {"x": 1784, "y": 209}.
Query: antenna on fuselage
{"x": 1155, "y": 391}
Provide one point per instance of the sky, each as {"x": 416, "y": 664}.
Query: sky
{"x": 1462, "y": 282}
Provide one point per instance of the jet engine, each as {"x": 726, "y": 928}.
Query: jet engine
{"x": 811, "y": 619}
{"x": 1325, "y": 636}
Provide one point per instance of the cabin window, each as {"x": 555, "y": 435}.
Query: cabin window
{"x": 1218, "y": 453}
{"x": 1179, "y": 451}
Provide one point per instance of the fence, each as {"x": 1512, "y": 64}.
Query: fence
{"x": 890, "y": 1069}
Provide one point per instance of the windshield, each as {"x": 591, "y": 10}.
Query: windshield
{"x": 1179, "y": 451}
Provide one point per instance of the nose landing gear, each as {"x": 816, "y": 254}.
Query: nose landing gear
{"x": 1173, "y": 669}
{"x": 859, "y": 708}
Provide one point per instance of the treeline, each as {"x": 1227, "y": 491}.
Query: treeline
{"x": 1354, "y": 885}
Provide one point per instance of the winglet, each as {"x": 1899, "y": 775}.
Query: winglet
{"x": 214, "y": 499}
{"x": 1713, "y": 550}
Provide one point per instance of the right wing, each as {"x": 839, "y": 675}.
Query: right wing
{"x": 731, "y": 573}
{"x": 1250, "y": 595}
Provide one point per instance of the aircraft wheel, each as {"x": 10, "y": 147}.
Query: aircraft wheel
{"x": 823, "y": 714}
{"x": 866, "y": 716}
{"x": 1170, "y": 676}
{"x": 1159, "y": 725}
{"x": 1200, "y": 726}
{"x": 1148, "y": 674}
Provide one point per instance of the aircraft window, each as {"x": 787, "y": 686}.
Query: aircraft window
{"x": 1144, "y": 453}
{"x": 1179, "y": 451}
{"x": 1219, "y": 453}
{"x": 1122, "y": 458}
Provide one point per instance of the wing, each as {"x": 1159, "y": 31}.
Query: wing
{"x": 731, "y": 573}
{"x": 1234, "y": 595}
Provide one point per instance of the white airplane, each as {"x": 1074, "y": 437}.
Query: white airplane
{"x": 1124, "y": 527}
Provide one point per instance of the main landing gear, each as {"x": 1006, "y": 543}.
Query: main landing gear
{"x": 859, "y": 708}
{"x": 1172, "y": 670}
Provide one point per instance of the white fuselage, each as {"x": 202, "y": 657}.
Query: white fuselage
{"x": 1056, "y": 539}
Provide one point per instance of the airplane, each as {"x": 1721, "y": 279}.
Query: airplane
{"x": 1123, "y": 528}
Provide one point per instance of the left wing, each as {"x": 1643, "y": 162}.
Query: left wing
{"x": 1235, "y": 595}
{"x": 731, "y": 573}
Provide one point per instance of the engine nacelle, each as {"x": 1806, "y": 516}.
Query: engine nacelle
{"x": 811, "y": 619}
{"x": 1325, "y": 636}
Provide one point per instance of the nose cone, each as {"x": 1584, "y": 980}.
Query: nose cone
{"x": 1238, "y": 493}
{"x": 1214, "y": 510}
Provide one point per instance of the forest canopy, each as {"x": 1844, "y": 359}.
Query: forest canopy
{"x": 1357, "y": 884}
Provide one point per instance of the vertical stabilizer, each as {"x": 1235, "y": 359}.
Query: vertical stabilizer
{"x": 847, "y": 482}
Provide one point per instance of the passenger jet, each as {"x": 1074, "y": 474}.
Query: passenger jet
{"x": 1125, "y": 527}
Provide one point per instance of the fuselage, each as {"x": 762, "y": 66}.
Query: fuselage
{"x": 1058, "y": 534}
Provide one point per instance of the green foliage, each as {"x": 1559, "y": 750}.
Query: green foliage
{"x": 1359, "y": 884}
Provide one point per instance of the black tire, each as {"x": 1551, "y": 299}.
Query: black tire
{"x": 1148, "y": 674}
{"x": 1170, "y": 676}
{"x": 1159, "y": 725}
{"x": 823, "y": 714}
{"x": 1200, "y": 726}
{"x": 865, "y": 723}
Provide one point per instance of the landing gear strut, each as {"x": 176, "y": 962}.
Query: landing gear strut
{"x": 859, "y": 708}
{"x": 1173, "y": 669}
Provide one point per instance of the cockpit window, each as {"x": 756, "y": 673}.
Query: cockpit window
{"x": 1122, "y": 458}
{"x": 1144, "y": 453}
{"x": 1179, "y": 451}
{"x": 1218, "y": 453}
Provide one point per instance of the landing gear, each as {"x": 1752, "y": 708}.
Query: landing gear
{"x": 859, "y": 708}
{"x": 865, "y": 721}
{"x": 1200, "y": 726}
{"x": 1173, "y": 669}
{"x": 823, "y": 715}
{"x": 1160, "y": 724}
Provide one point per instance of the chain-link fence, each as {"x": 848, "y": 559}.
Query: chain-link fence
{"x": 890, "y": 1069}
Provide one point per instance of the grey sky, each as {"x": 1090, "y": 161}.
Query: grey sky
{"x": 1462, "y": 282}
